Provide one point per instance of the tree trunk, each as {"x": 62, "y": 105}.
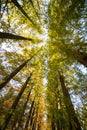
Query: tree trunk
{"x": 12, "y": 36}
{"x": 53, "y": 126}
{"x": 81, "y": 57}
{"x": 8, "y": 78}
{"x": 74, "y": 122}
{"x": 29, "y": 116}
{"x": 0, "y": 6}
{"x": 8, "y": 117}
{"x": 31, "y": 121}
{"x": 24, "y": 107}
{"x": 14, "y": 122}
{"x": 22, "y": 11}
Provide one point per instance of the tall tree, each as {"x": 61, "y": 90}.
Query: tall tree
{"x": 22, "y": 11}
{"x": 29, "y": 115}
{"x": 24, "y": 107}
{"x": 8, "y": 78}
{"x": 12, "y": 36}
{"x": 74, "y": 122}
{"x": 69, "y": 40}
{"x": 12, "y": 109}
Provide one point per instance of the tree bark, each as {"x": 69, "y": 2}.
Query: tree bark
{"x": 31, "y": 121}
{"x": 74, "y": 122}
{"x": 24, "y": 107}
{"x": 29, "y": 116}
{"x": 8, "y": 78}
{"x": 5, "y": 35}
{"x": 8, "y": 117}
{"x": 81, "y": 57}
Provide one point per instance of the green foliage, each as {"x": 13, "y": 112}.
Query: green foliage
{"x": 58, "y": 33}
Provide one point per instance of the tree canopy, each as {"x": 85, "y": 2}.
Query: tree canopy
{"x": 43, "y": 65}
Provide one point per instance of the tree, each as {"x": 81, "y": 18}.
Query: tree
{"x": 69, "y": 40}
{"x": 12, "y": 36}
{"x": 24, "y": 107}
{"x": 58, "y": 30}
{"x": 74, "y": 122}
{"x": 8, "y": 78}
{"x": 8, "y": 117}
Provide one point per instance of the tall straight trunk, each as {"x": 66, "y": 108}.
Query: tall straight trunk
{"x": 0, "y": 6}
{"x": 53, "y": 126}
{"x": 8, "y": 117}
{"x": 31, "y": 121}
{"x": 53, "y": 123}
{"x": 5, "y": 35}
{"x": 22, "y": 11}
{"x": 34, "y": 120}
{"x": 29, "y": 116}
{"x": 34, "y": 124}
{"x": 24, "y": 107}
{"x": 8, "y": 78}
{"x": 58, "y": 122}
{"x": 74, "y": 122}
{"x": 14, "y": 122}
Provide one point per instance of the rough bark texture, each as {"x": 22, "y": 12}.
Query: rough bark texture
{"x": 8, "y": 117}
{"x": 74, "y": 122}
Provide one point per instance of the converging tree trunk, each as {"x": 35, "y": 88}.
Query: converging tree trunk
{"x": 24, "y": 107}
{"x": 5, "y": 35}
{"x": 74, "y": 122}
{"x": 14, "y": 122}
{"x": 8, "y": 78}
{"x": 32, "y": 119}
{"x": 22, "y": 11}
{"x": 33, "y": 124}
{"x": 53, "y": 123}
{"x": 29, "y": 116}
{"x": 11, "y": 111}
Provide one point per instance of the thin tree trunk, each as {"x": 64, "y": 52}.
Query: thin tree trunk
{"x": 8, "y": 117}
{"x": 22, "y": 11}
{"x": 8, "y": 78}
{"x": 74, "y": 122}
{"x": 24, "y": 107}
{"x": 12, "y": 36}
{"x": 14, "y": 123}
{"x": 34, "y": 124}
{"x": 34, "y": 120}
{"x": 29, "y": 116}
{"x": 0, "y": 6}
{"x": 31, "y": 121}
{"x": 53, "y": 126}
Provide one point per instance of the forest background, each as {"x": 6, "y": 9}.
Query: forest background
{"x": 43, "y": 65}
